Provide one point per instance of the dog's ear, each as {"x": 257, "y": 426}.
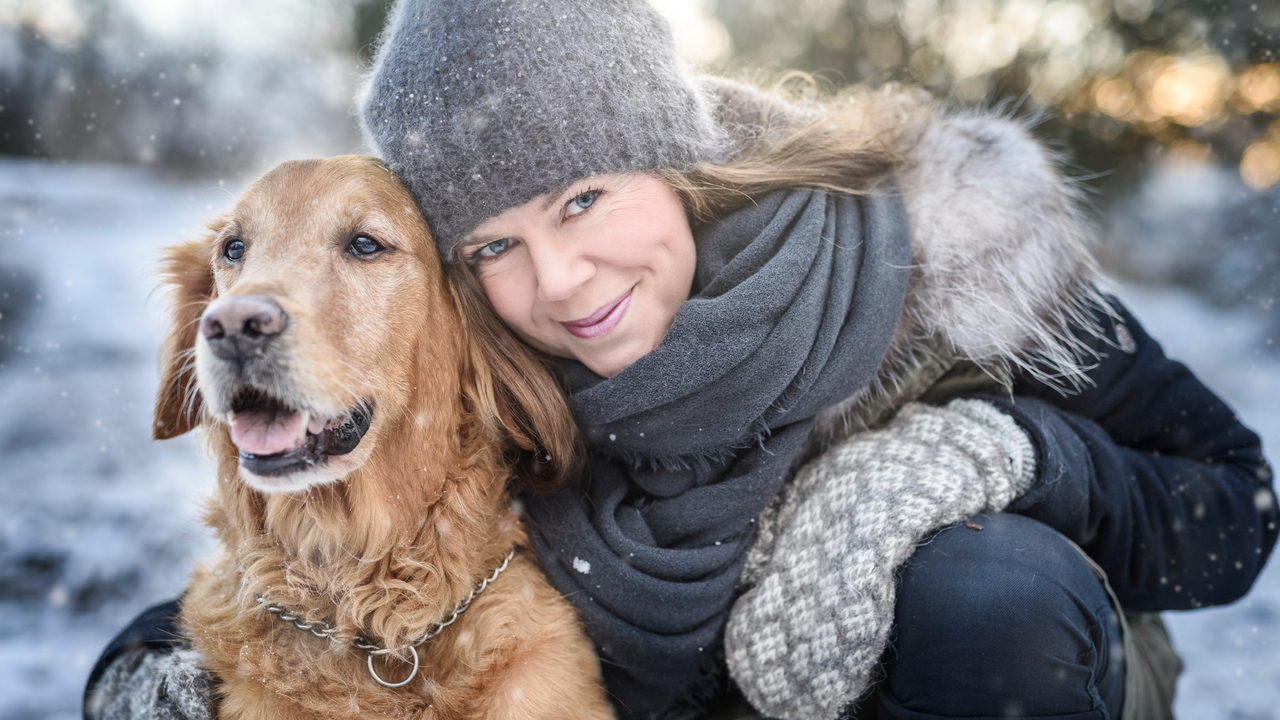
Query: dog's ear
{"x": 518, "y": 390}
{"x": 188, "y": 271}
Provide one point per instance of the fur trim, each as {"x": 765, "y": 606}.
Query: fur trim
{"x": 750, "y": 116}
{"x": 1001, "y": 276}
{"x": 1001, "y": 273}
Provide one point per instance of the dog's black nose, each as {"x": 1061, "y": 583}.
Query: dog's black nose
{"x": 240, "y": 327}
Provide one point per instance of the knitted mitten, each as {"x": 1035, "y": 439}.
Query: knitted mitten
{"x": 805, "y": 641}
{"x": 156, "y": 685}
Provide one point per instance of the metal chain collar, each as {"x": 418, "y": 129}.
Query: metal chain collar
{"x": 322, "y": 629}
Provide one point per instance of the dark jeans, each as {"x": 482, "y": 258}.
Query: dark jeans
{"x": 1006, "y": 621}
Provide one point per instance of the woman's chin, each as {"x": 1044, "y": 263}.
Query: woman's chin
{"x": 609, "y": 361}
{"x": 606, "y": 367}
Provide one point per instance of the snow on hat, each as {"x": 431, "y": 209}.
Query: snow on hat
{"x": 482, "y": 105}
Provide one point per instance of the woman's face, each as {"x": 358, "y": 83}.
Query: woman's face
{"x": 596, "y": 273}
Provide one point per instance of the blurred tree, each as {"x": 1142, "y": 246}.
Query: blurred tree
{"x": 1127, "y": 76}
{"x": 1130, "y": 88}
{"x": 99, "y": 80}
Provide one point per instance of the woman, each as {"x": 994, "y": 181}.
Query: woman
{"x": 665, "y": 239}
{"x": 734, "y": 285}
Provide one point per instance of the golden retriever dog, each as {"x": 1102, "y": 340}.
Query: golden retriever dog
{"x": 365, "y": 435}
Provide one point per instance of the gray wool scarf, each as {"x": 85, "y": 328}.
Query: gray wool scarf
{"x": 795, "y": 301}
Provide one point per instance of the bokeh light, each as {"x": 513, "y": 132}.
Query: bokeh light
{"x": 1132, "y": 79}
{"x": 1115, "y": 97}
{"x": 700, "y": 38}
{"x": 1260, "y": 166}
{"x": 1259, "y": 89}
{"x": 1168, "y": 111}
{"x": 1189, "y": 91}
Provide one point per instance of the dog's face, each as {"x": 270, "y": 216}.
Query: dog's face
{"x": 314, "y": 321}
{"x": 324, "y": 280}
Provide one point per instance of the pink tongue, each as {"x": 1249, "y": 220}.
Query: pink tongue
{"x": 265, "y": 432}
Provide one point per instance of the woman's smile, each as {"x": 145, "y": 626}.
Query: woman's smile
{"x": 602, "y": 321}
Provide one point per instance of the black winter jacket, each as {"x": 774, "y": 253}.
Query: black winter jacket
{"x": 1151, "y": 473}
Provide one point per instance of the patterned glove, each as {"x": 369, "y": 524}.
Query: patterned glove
{"x": 806, "y": 640}
{"x": 152, "y": 685}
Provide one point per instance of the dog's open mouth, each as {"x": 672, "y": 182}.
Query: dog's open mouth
{"x": 275, "y": 439}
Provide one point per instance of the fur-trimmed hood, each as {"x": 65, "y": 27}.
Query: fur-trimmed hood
{"x": 1001, "y": 274}
{"x": 1000, "y": 269}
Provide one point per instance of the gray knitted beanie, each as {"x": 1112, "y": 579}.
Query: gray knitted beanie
{"x": 482, "y": 105}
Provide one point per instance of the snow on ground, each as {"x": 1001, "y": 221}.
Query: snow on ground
{"x": 98, "y": 522}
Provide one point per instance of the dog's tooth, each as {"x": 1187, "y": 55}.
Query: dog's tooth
{"x": 306, "y": 420}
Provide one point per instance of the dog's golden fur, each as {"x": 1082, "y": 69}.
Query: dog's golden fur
{"x": 416, "y": 515}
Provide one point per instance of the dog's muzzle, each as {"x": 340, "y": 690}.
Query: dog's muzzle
{"x": 276, "y": 435}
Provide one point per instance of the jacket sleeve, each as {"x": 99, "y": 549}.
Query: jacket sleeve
{"x": 1150, "y": 473}
{"x": 149, "y": 670}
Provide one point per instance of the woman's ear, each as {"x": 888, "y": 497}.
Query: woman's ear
{"x": 518, "y": 390}
{"x": 188, "y": 270}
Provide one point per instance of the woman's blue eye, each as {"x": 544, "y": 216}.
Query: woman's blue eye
{"x": 363, "y": 246}
{"x": 582, "y": 202}
{"x": 493, "y": 249}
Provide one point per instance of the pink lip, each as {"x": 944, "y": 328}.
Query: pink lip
{"x": 600, "y": 322}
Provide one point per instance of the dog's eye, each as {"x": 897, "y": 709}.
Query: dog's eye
{"x": 363, "y": 246}
{"x": 233, "y": 250}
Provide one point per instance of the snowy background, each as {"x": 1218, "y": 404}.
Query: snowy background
{"x": 127, "y": 124}
{"x": 98, "y": 522}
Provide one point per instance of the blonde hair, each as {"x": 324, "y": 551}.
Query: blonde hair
{"x": 798, "y": 135}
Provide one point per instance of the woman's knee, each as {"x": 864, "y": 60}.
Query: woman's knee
{"x": 1000, "y": 616}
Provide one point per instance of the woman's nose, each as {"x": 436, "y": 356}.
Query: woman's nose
{"x": 560, "y": 269}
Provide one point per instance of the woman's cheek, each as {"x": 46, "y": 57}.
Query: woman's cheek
{"x": 512, "y": 303}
